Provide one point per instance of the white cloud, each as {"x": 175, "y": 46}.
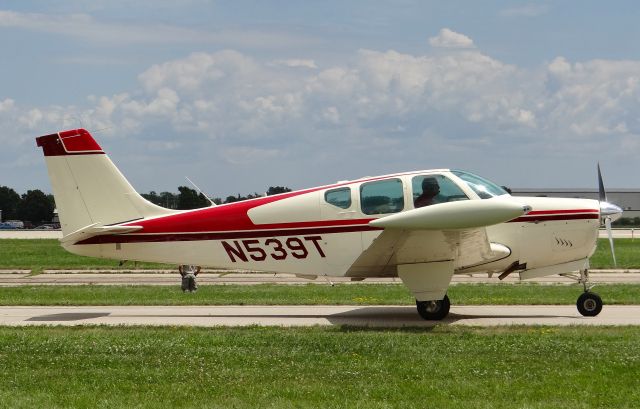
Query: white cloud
{"x": 447, "y": 38}
{"x": 331, "y": 115}
{"x": 297, "y": 63}
{"x": 596, "y": 97}
{"x": 197, "y": 70}
{"x": 7, "y": 104}
{"x": 32, "y": 118}
{"x": 228, "y": 94}
{"x": 241, "y": 111}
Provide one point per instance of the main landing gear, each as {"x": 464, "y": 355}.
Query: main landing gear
{"x": 189, "y": 274}
{"x": 434, "y": 310}
{"x": 589, "y": 304}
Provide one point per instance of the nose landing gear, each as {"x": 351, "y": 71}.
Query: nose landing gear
{"x": 589, "y": 304}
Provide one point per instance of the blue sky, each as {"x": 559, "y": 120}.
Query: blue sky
{"x": 242, "y": 95}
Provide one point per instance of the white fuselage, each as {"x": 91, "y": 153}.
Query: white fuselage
{"x": 304, "y": 233}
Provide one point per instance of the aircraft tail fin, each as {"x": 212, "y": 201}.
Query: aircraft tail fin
{"x": 88, "y": 188}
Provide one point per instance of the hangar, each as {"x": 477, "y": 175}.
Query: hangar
{"x": 627, "y": 199}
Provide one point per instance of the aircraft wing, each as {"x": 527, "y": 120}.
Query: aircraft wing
{"x": 428, "y": 244}
{"x": 393, "y": 247}
{"x": 465, "y": 214}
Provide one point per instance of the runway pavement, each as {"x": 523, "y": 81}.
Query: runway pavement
{"x": 10, "y": 278}
{"x": 321, "y": 315}
{"x": 367, "y": 316}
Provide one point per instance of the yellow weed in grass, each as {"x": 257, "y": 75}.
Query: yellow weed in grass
{"x": 366, "y": 300}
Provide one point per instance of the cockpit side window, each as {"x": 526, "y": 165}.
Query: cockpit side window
{"x": 339, "y": 197}
{"x": 382, "y": 196}
{"x": 433, "y": 189}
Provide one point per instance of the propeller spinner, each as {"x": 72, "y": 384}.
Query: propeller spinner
{"x": 608, "y": 213}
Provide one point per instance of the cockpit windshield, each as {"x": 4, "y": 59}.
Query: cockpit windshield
{"x": 481, "y": 186}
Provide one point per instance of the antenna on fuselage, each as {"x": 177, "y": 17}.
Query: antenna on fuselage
{"x": 201, "y": 192}
{"x": 72, "y": 117}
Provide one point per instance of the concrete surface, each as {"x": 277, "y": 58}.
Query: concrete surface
{"x": 30, "y": 234}
{"x": 141, "y": 277}
{"x": 323, "y": 315}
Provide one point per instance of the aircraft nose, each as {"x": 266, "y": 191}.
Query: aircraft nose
{"x": 610, "y": 210}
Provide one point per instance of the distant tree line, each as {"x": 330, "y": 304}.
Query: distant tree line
{"x": 36, "y": 207}
{"x": 627, "y": 222}
{"x": 188, "y": 198}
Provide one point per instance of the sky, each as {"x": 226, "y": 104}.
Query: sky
{"x": 242, "y": 95}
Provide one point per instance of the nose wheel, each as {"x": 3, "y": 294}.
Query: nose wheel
{"x": 589, "y": 304}
{"x": 434, "y": 310}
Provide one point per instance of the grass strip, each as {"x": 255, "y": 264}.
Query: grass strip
{"x": 627, "y": 254}
{"x": 39, "y": 254}
{"x": 444, "y": 367}
{"x": 309, "y": 294}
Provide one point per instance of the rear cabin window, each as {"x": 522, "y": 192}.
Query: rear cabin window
{"x": 380, "y": 197}
{"x": 433, "y": 189}
{"x": 339, "y": 197}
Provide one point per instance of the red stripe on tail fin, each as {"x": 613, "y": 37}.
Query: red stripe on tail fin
{"x": 73, "y": 142}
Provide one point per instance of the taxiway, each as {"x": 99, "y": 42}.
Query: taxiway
{"x": 11, "y": 278}
{"x": 310, "y": 315}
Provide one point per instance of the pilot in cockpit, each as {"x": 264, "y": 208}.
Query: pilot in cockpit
{"x": 430, "y": 190}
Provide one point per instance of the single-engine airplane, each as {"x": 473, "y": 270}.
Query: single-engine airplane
{"x": 422, "y": 227}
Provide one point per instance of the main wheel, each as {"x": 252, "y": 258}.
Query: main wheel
{"x": 589, "y": 304}
{"x": 434, "y": 310}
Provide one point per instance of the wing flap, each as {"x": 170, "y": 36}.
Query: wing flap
{"x": 394, "y": 247}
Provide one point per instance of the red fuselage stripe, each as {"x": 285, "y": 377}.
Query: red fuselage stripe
{"x": 306, "y": 228}
{"x": 568, "y": 211}
{"x": 556, "y": 217}
{"x": 229, "y": 235}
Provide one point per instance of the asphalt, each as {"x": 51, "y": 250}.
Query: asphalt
{"x": 323, "y": 315}
{"x": 313, "y": 315}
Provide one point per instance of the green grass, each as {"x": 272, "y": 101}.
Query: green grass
{"x": 627, "y": 254}
{"x": 39, "y": 254}
{"x": 444, "y": 367}
{"x": 310, "y": 294}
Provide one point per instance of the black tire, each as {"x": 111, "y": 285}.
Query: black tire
{"x": 189, "y": 283}
{"x": 589, "y": 304}
{"x": 435, "y": 310}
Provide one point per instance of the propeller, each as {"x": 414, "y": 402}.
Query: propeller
{"x": 608, "y": 213}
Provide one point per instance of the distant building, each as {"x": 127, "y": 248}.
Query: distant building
{"x": 627, "y": 199}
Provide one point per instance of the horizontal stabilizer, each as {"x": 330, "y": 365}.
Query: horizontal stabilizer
{"x": 467, "y": 214}
{"x": 96, "y": 230}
